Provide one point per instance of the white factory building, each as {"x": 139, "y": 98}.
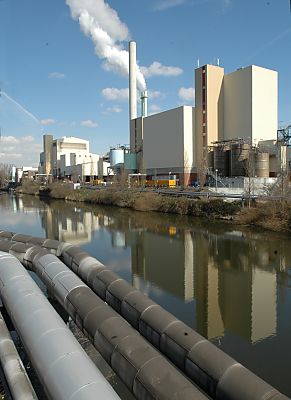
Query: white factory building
{"x": 240, "y": 106}
{"x": 165, "y": 141}
{"x": 70, "y": 157}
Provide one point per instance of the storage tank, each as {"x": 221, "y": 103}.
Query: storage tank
{"x": 221, "y": 161}
{"x": 262, "y": 165}
{"x": 130, "y": 163}
{"x": 238, "y": 160}
{"x": 116, "y": 157}
{"x": 274, "y": 165}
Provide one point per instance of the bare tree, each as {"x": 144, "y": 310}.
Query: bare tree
{"x": 249, "y": 168}
{"x": 202, "y": 168}
{"x": 4, "y": 174}
{"x": 186, "y": 170}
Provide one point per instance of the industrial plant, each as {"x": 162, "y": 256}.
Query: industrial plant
{"x": 230, "y": 132}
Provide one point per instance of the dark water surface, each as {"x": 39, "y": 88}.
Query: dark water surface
{"x": 231, "y": 284}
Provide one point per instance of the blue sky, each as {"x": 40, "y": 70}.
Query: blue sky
{"x": 50, "y": 67}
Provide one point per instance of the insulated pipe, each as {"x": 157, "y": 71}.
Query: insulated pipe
{"x": 64, "y": 369}
{"x": 209, "y": 367}
{"x": 15, "y": 373}
{"x": 142, "y": 368}
{"x": 214, "y": 371}
{"x": 147, "y": 374}
{"x": 132, "y": 80}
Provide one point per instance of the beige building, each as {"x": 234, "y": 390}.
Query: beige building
{"x": 240, "y": 105}
{"x": 208, "y": 108}
{"x": 251, "y": 104}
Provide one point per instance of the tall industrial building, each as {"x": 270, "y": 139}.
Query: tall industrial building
{"x": 251, "y": 104}
{"x": 163, "y": 142}
{"x": 208, "y": 109}
{"x": 242, "y": 105}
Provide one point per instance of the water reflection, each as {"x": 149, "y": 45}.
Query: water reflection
{"x": 229, "y": 276}
{"x": 230, "y": 284}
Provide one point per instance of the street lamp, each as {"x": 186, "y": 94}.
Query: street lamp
{"x": 216, "y": 179}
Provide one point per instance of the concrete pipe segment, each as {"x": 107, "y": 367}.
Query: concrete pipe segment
{"x": 64, "y": 369}
{"x": 210, "y": 368}
{"x": 14, "y": 371}
{"x": 146, "y": 372}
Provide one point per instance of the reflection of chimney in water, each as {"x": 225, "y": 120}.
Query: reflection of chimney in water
{"x": 144, "y": 103}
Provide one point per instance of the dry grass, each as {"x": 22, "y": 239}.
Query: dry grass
{"x": 145, "y": 201}
{"x": 28, "y": 188}
{"x": 275, "y": 216}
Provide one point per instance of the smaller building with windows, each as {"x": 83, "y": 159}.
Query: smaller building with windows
{"x": 68, "y": 157}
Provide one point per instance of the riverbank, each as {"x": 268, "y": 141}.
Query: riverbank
{"x": 275, "y": 216}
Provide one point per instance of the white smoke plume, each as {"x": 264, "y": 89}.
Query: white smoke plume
{"x": 101, "y": 23}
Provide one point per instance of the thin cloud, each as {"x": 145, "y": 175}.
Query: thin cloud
{"x": 153, "y": 94}
{"x": 114, "y": 109}
{"x": 56, "y": 75}
{"x": 186, "y": 94}
{"x": 154, "y": 109}
{"x": 20, "y": 150}
{"x": 166, "y": 4}
{"x": 28, "y": 139}
{"x": 114, "y": 94}
{"x": 88, "y": 123}
{"x": 48, "y": 121}
{"x": 9, "y": 139}
{"x": 162, "y": 5}
{"x": 270, "y": 43}
{"x": 157, "y": 69}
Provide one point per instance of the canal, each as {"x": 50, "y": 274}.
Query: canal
{"x": 231, "y": 284}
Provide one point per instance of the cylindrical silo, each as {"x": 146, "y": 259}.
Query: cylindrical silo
{"x": 262, "y": 165}
{"x": 210, "y": 159}
{"x": 116, "y": 157}
{"x": 238, "y": 160}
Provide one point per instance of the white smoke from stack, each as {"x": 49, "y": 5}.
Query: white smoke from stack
{"x": 102, "y": 24}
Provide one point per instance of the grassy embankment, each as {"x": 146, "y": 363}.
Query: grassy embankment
{"x": 275, "y": 216}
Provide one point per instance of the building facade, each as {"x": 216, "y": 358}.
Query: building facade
{"x": 68, "y": 157}
{"x": 241, "y": 106}
{"x": 163, "y": 143}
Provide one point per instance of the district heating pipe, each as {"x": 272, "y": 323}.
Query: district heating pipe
{"x": 14, "y": 371}
{"x": 210, "y": 368}
{"x": 145, "y": 371}
{"x": 64, "y": 369}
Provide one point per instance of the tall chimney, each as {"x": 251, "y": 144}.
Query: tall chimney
{"x": 144, "y": 103}
{"x": 132, "y": 81}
